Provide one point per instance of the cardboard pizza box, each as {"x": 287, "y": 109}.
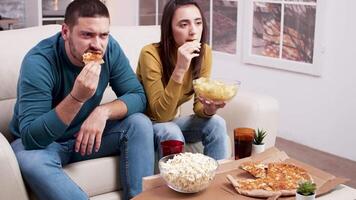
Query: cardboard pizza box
{"x": 154, "y": 187}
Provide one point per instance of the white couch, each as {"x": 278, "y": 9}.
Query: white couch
{"x": 246, "y": 109}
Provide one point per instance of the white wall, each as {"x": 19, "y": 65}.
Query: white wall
{"x": 123, "y": 12}
{"x": 33, "y": 13}
{"x": 319, "y": 112}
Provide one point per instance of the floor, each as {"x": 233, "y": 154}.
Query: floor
{"x": 330, "y": 163}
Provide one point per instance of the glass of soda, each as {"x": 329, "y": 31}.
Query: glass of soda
{"x": 243, "y": 138}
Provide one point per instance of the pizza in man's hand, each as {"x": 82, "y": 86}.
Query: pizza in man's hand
{"x": 93, "y": 56}
{"x": 273, "y": 179}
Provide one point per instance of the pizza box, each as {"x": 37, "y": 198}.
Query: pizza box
{"x": 154, "y": 187}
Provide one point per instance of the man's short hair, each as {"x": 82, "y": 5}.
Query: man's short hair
{"x": 84, "y": 8}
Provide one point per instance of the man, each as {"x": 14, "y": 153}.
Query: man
{"x": 58, "y": 118}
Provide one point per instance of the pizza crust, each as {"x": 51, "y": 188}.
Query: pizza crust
{"x": 288, "y": 192}
{"x": 259, "y": 193}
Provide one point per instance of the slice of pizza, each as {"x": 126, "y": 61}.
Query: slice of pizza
{"x": 253, "y": 187}
{"x": 286, "y": 177}
{"x": 256, "y": 169}
{"x": 93, "y": 56}
{"x": 281, "y": 179}
{"x": 287, "y": 171}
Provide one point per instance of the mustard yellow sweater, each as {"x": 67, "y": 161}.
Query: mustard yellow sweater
{"x": 163, "y": 102}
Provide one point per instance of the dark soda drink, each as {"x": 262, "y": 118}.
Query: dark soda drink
{"x": 243, "y": 148}
{"x": 243, "y": 138}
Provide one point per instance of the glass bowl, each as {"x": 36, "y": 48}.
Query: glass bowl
{"x": 216, "y": 90}
{"x": 187, "y": 172}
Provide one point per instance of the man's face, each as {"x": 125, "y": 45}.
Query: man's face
{"x": 90, "y": 34}
{"x": 187, "y": 24}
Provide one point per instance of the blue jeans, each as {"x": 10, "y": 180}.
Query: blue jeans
{"x": 211, "y": 131}
{"x": 42, "y": 168}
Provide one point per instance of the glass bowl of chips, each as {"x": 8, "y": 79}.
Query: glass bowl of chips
{"x": 216, "y": 90}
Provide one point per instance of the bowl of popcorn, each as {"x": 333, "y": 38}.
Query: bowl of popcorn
{"x": 216, "y": 90}
{"x": 187, "y": 172}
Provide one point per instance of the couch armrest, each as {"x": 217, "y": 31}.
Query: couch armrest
{"x": 11, "y": 182}
{"x": 254, "y": 111}
{"x": 248, "y": 110}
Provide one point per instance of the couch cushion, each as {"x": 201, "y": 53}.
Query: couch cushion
{"x": 132, "y": 45}
{"x": 7, "y": 109}
{"x": 106, "y": 178}
{"x": 14, "y": 51}
{"x": 96, "y": 176}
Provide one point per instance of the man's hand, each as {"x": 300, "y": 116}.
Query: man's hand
{"x": 91, "y": 132}
{"x": 86, "y": 82}
{"x": 210, "y": 107}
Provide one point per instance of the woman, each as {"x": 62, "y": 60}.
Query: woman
{"x": 166, "y": 70}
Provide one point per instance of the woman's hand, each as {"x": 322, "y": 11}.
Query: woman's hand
{"x": 185, "y": 54}
{"x": 210, "y": 107}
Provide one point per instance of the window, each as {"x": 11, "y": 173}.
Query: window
{"x": 224, "y": 26}
{"x": 281, "y": 34}
{"x": 147, "y": 12}
{"x": 221, "y": 16}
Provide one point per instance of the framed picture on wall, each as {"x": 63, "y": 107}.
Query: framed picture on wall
{"x": 284, "y": 34}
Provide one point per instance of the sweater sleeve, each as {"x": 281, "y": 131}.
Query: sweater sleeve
{"x": 204, "y": 72}
{"x": 39, "y": 124}
{"x": 163, "y": 101}
{"x": 124, "y": 81}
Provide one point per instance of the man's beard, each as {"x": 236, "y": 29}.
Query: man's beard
{"x": 77, "y": 56}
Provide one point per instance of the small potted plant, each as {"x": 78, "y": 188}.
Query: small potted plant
{"x": 258, "y": 145}
{"x": 306, "y": 191}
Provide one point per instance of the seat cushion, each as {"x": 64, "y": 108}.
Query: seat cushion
{"x": 100, "y": 176}
{"x": 96, "y": 176}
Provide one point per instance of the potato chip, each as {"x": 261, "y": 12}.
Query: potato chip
{"x": 214, "y": 90}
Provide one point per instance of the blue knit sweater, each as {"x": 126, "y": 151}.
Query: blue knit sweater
{"x": 46, "y": 78}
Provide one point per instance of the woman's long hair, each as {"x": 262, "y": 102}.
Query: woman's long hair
{"x": 167, "y": 43}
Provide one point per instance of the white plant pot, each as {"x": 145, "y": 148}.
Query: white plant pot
{"x": 302, "y": 197}
{"x": 257, "y": 148}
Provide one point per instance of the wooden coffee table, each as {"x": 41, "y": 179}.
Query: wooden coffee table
{"x": 155, "y": 188}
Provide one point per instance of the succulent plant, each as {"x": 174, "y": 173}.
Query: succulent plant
{"x": 306, "y": 188}
{"x": 259, "y": 136}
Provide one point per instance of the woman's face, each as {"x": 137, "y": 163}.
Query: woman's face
{"x": 187, "y": 24}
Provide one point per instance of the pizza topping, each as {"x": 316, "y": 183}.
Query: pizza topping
{"x": 270, "y": 179}
{"x": 257, "y": 170}
{"x": 93, "y": 56}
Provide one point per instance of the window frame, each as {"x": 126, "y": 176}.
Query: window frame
{"x": 313, "y": 69}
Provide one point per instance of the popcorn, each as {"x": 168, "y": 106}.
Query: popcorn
{"x": 188, "y": 172}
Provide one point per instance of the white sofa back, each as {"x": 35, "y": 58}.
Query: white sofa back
{"x": 16, "y": 43}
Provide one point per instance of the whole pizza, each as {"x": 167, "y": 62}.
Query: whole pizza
{"x": 273, "y": 179}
